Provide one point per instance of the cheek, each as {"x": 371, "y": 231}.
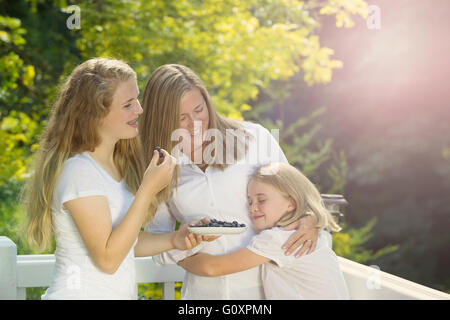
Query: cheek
{"x": 205, "y": 118}
{"x": 182, "y": 125}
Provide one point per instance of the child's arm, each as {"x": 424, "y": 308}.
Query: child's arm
{"x": 207, "y": 265}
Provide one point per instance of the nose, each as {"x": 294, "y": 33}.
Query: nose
{"x": 253, "y": 207}
{"x": 190, "y": 123}
{"x": 138, "y": 108}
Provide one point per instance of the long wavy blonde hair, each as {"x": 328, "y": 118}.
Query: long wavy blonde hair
{"x": 83, "y": 100}
{"x": 161, "y": 117}
{"x": 293, "y": 184}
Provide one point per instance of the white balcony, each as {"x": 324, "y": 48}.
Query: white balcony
{"x": 18, "y": 272}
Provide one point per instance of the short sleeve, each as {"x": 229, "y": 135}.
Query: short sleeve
{"x": 268, "y": 244}
{"x": 78, "y": 179}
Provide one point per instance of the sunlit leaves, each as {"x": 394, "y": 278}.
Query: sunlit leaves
{"x": 13, "y": 71}
{"x": 344, "y": 9}
{"x": 237, "y": 47}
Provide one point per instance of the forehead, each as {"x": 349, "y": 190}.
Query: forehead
{"x": 254, "y": 187}
{"x": 125, "y": 90}
{"x": 190, "y": 100}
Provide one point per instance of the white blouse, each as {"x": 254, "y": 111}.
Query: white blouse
{"x": 221, "y": 195}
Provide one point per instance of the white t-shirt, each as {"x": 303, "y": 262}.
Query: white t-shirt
{"x": 314, "y": 276}
{"x": 76, "y": 276}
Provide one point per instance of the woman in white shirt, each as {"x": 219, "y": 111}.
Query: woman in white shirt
{"x": 87, "y": 170}
{"x": 216, "y": 156}
{"x": 278, "y": 194}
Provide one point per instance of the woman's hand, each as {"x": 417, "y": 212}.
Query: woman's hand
{"x": 183, "y": 239}
{"x": 306, "y": 235}
{"x": 157, "y": 176}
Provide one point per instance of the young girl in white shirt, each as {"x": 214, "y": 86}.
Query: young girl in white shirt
{"x": 90, "y": 189}
{"x": 279, "y": 194}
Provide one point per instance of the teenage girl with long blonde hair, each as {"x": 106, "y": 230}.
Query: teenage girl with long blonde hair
{"x": 90, "y": 189}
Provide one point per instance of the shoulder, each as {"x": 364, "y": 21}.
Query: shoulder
{"x": 268, "y": 243}
{"x": 273, "y": 238}
{"x": 79, "y": 167}
{"x": 256, "y": 130}
{"x": 251, "y": 126}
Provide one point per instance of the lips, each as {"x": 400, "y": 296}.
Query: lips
{"x": 133, "y": 123}
{"x": 257, "y": 217}
{"x": 195, "y": 132}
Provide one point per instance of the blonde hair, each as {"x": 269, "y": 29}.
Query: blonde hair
{"x": 161, "y": 117}
{"x": 293, "y": 184}
{"x": 83, "y": 100}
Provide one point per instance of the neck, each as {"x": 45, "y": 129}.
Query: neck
{"x": 104, "y": 153}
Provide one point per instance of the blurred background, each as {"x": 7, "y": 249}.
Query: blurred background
{"x": 359, "y": 91}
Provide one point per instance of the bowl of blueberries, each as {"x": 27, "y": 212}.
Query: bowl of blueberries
{"x": 217, "y": 227}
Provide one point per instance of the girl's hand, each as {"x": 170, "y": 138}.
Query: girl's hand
{"x": 183, "y": 239}
{"x": 306, "y": 235}
{"x": 157, "y": 177}
{"x": 203, "y": 237}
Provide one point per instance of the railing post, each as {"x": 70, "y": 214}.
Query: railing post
{"x": 168, "y": 290}
{"x": 8, "y": 269}
{"x": 333, "y": 202}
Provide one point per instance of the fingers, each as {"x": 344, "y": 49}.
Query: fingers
{"x": 193, "y": 240}
{"x": 305, "y": 248}
{"x": 187, "y": 241}
{"x": 313, "y": 247}
{"x": 305, "y": 239}
{"x": 155, "y": 158}
{"x": 210, "y": 238}
{"x": 167, "y": 159}
{"x": 291, "y": 244}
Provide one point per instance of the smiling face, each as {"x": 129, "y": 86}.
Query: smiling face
{"x": 266, "y": 205}
{"x": 194, "y": 117}
{"x": 121, "y": 121}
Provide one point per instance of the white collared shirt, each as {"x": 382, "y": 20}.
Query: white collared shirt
{"x": 221, "y": 195}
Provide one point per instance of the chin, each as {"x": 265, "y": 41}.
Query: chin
{"x": 260, "y": 228}
{"x": 130, "y": 136}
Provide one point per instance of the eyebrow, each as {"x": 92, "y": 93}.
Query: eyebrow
{"x": 194, "y": 108}
{"x": 129, "y": 100}
{"x": 258, "y": 194}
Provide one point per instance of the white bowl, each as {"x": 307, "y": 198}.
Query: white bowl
{"x": 217, "y": 231}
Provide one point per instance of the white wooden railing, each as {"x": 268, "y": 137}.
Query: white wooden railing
{"x": 18, "y": 272}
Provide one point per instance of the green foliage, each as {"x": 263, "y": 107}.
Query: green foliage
{"x": 15, "y": 75}
{"x": 153, "y": 291}
{"x": 237, "y": 47}
{"x": 350, "y": 244}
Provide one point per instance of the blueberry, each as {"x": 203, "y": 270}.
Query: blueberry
{"x": 159, "y": 150}
{"x": 242, "y": 225}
